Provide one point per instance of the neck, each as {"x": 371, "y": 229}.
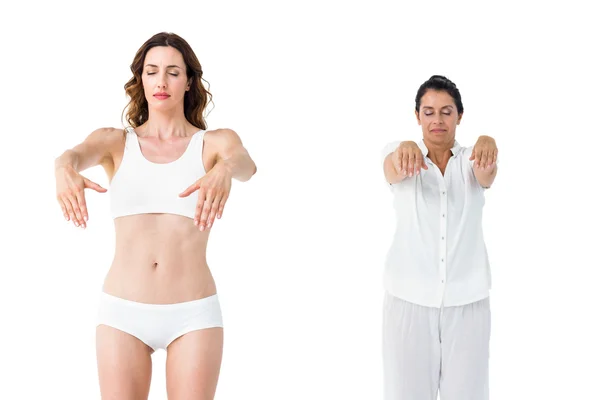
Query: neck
{"x": 439, "y": 153}
{"x": 166, "y": 124}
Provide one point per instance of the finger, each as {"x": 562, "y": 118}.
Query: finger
{"x": 213, "y": 211}
{"x": 416, "y": 163}
{"x": 69, "y": 208}
{"x": 495, "y": 155}
{"x": 83, "y": 207}
{"x": 69, "y": 202}
{"x": 477, "y": 157}
{"x": 199, "y": 206}
{"x": 76, "y": 210}
{"x": 420, "y": 162}
{"x": 490, "y": 158}
{"x": 484, "y": 159}
{"x": 204, "y": 216}
{"x": 75, "y": 201}
{"x": 63, "y": 208}
{"x": 404, "y": 161}
{"x": 411, "y": 163}
{"x": 222, "y": 206}
{"x": 396, "y": 161}
{"x": 189, "y": 190}
{"x": 93, "y": 185}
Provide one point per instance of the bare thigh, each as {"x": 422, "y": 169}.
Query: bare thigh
{"x": 193, "y": 364}
{"x": 124, "y": 365}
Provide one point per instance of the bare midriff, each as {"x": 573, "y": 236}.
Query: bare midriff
{"x": 159, "y": 259}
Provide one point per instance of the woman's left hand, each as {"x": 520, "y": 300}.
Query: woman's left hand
{"x": 485, "y": 152}
{"x": 213, "y": 191}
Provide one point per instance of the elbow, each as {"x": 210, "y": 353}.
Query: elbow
{"x": 253, "y": 170}
{"x": 248, "y": 173}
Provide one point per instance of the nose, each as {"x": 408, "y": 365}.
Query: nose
{"x": 161, "y": 83}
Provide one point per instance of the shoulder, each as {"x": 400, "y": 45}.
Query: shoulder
{"x": 110, "y": 141}
{"x": 107, "y": 135}
{"x": 222, "y": 136}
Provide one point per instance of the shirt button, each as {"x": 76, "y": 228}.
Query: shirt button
{"x": 443, "y": 281}
{"x": 442, "y": 238}
{"x": 443, "y": 192}
{"x": 442, "y": 260}
{"x": 443, "y": 215}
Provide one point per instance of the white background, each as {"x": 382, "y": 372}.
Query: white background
{"x": 315, "y": 90}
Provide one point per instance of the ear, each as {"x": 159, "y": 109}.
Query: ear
{"x": 459, "y": 119}
{"x": 189, "y": 84}
{"x": 417, "y": 115}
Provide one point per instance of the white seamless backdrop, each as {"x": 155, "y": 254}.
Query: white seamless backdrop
{"x": 315, "y": 89}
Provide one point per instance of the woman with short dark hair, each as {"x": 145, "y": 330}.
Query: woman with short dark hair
{"x": 436, "y": 326}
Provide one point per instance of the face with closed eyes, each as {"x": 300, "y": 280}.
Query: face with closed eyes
{"x": 164, "y": 78}
{"x": 438, "y": 117}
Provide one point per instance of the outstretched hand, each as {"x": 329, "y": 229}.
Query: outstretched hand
{"x": 485, "y": 153}
{"x": 70, "y": 186}
{"x": 408, "y": 159}
{"x": 213, "y": 192}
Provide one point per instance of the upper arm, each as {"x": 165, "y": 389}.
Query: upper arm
{"x": 228, "y": 143}
{"x": 221, "y": 144}
{"x": 97, "y": 148}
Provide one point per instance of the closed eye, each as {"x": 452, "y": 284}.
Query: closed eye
{"x": 445, "y": 113}
{"x": 152, "y": 73}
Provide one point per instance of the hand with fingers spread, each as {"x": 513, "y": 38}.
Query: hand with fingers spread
{"x": 408, "y": 159}
{"x": 213, "y": 191}
{"x": 70, "y": 186}
{"x": 485, "y": 153}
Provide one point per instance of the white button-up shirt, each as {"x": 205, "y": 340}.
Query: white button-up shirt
{"x": 438, "y": 255}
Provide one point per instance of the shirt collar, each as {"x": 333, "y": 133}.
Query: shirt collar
{"x": 425, "y": 150}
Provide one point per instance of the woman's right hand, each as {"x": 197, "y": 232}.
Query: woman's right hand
{"x": 408, "y": 159}
{"x": 70, "y": 194}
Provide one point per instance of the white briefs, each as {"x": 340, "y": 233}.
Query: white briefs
{"x": 157, "y": 325}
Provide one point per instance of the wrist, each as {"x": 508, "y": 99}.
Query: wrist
{"x": 62, "y": 166}
{"x": 67, "y": 160}
{"x": 227, "y": 166}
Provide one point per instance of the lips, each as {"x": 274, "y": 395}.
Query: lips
{"x": 161, "y": 96}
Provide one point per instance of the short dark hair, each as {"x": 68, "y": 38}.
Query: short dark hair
{"x": 440, "y": 83}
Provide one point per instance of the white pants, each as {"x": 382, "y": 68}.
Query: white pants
{"x": 426, "y": 349}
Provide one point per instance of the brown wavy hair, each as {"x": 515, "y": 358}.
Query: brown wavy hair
{"x": 195, "y": 100}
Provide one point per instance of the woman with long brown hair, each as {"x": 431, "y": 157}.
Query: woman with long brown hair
{"x": 170, "y": 178}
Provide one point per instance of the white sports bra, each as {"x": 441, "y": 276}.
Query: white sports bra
{"x": 141, "y": 186}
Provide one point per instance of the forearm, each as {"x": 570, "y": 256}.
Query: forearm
{"x": 485, "y": 160}
{"x": 240, "y": 165}
{"x": 68, "y": 158}
{"x": 486, "y": 177}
